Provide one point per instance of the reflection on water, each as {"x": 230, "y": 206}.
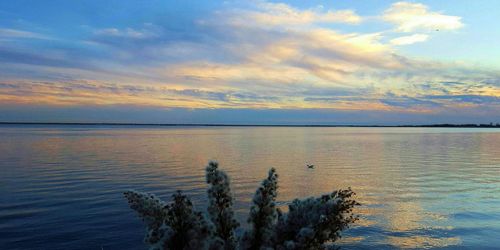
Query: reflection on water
{"x": 420, "y": 187}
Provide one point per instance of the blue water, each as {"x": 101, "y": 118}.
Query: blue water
{"x": 61, "y": 186}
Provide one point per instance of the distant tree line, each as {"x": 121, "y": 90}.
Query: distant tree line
{"x": 312, "y": 223}
{"x": 472, "y": 125}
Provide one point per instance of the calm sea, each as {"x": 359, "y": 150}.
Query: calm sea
{"x": 61, "y": 186}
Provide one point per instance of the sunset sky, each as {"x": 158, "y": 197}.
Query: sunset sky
{"x": 250, "y": 62}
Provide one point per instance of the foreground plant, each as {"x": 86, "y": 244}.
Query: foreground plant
{"x": 263, "y": 215}
{"x": 172, "y": 226}
{"x": 312, "y": 223}
{"x": 220, "y": 206}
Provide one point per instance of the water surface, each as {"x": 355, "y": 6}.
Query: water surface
{"x": 62, "y": 186}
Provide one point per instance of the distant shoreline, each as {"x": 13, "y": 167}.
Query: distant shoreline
{"x": 250, "y": 125}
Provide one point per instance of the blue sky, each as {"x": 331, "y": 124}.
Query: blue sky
{"x": 293, "y": 62}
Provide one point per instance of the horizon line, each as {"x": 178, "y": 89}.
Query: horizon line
{"x": 450, "y": 125}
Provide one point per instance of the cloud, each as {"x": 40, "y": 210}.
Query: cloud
{"x": 15, "y": 33}
{"x": 125, "y": 33}
{"x": 410, "y": 17}
{"x": 407, "y": 40}
{"x": 410, "y": 102}
{"x": 474, "y": 99}
{"x": 18, "y": 56}
{"x": 92, "y": 93}
{"x": 317, "y": 54}
{"x": 267, "y": 56}
{"x": 280, "y": 14}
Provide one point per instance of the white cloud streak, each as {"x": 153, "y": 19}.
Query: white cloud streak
{"x": 407, "y": 40}
{"x": 15, "y": 33}
{"x": 280, "y": 14}
{"x": 411, "y": 17}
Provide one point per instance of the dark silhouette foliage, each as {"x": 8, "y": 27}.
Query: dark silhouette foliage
{"x": 263, "y": 215}
{"x": 312, "y": 223}
{"x": 220, "y": 207}
{"x": 172, "y": 226}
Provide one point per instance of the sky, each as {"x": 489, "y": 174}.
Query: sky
{"x": 250, "y": 62}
